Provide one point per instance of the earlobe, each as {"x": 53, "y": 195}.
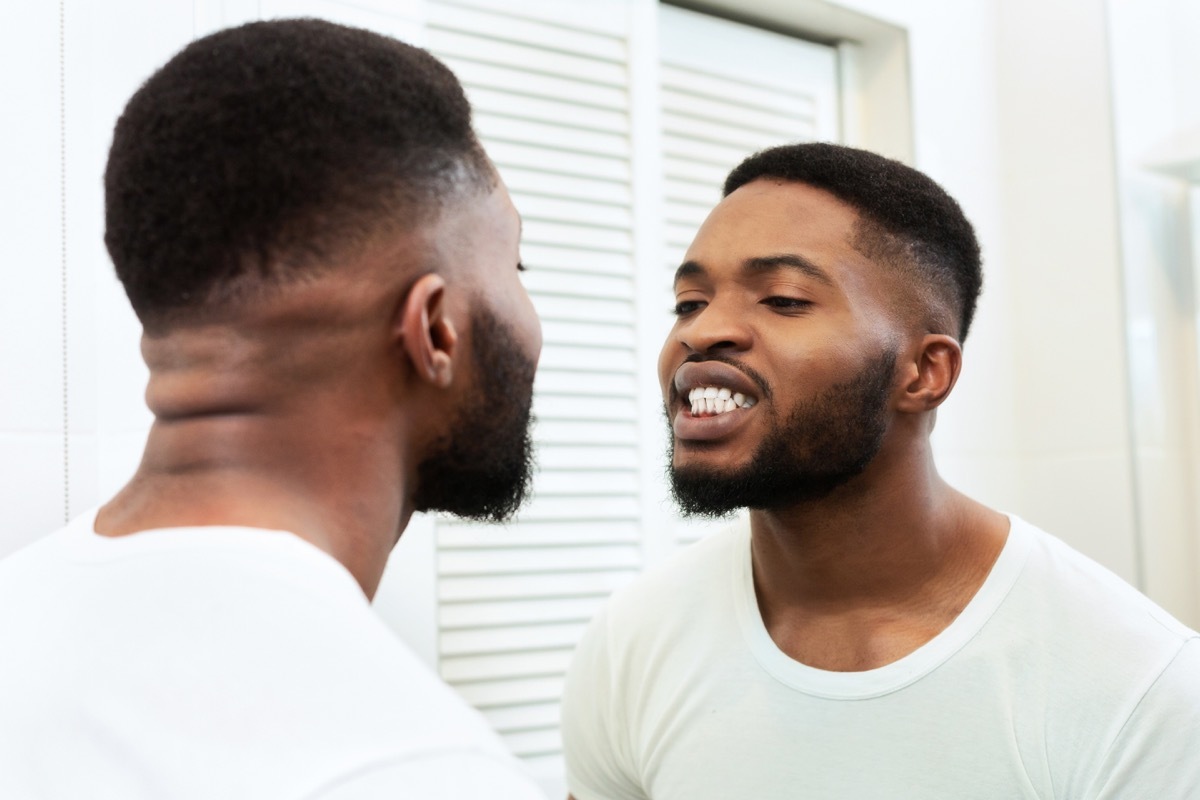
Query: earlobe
{"x": 932, "y": 373}
{"x": 429, "y": 337}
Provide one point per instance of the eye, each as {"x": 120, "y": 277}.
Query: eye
{"x": 521, "y": 267}
{"x": 685, "y": 307}
{"x": 787, "y": 303}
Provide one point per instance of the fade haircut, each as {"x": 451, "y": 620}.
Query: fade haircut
{"x": 906, "y": 221}
{"x": 261, "y": 153}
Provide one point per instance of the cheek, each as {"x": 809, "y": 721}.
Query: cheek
{"x": 522, "y": 317}
{"x": 668, "y": 361}
{"x": 532, "y": 327}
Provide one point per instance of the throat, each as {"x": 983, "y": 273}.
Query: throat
{"x": 855, "y": 641}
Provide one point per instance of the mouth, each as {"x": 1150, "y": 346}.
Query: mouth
{"x": 711, "y": 401}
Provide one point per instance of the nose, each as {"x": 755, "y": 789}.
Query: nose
{"x": 714, "y": 328}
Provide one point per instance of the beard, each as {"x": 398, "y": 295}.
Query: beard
{"x": 483, "y": 469}
{"x": 822, "y": 444}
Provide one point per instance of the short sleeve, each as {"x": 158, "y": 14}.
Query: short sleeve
{"x": 594, "y": 729}
{"x": 1157, "y": 753}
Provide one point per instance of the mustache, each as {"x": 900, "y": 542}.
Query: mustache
{"x": 763, "y": 387}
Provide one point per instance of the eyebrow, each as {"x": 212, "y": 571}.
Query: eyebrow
{"x": 763, "y": 264}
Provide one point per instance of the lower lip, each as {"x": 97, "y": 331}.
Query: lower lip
{"x": 718, "y": 426}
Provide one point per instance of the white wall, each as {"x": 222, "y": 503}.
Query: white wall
{"x": 52, "y": 250}
{"x": 1154, "y": 64}
{"x": 31, "y": 346}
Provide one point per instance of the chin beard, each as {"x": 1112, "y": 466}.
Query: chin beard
{"x": 822, "y": 445}
{"x": 483, "y": 469}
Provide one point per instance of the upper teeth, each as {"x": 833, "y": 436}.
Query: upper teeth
{"x": 717, "y": 400}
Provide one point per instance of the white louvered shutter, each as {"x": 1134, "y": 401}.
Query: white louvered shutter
{"x": 728, "y": 90}
{"x": 549, "y": 86}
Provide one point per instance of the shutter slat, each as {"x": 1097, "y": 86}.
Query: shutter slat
{"x": 684, "y": 114}
{"x": 586, "y": 287}
{"x": 529, "y": 560}
{"x": 700, "y": 174}
{"x": 512, "y": 28}
{"x": 593, "y": 334}
{"x": 507, "y": 639}
{"x": 493, "y": 694}
{"x": 612, "y": 240}
{"x": 738, "y": 94}
{"x": 565, "y": 258}
{"x": 566, "y": 138}
{"x": 539, "y": 109}
{"x": 722, "y": 157}
{"x": 454, "y": 616}
{"x": 461, "y": 534}
{"x": 399, "y": 19}
{"x": 586, "y": 384}
{"x": 578, "y": 432}
{"x": 585, "y": 166}
{"x": 521, "y": 83}
{"x": 561, "y": 585}
{"x": 481, "y": 49}
{"x": 534, "y": 743}
{"x": 590, "y": 457}
{"x": 573, "y": 211}
{"x": 533, "y": 716}
{"x": 534, "y": 182}
{"x": 565, "y": 408}
{"x": 683, "y": 211}
{"x": 565, "y": 307}
{"x": 506, "y": 665}
{"x": 700, "y": 194}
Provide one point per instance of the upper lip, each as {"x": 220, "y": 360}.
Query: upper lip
{"x": 695, "y": 374}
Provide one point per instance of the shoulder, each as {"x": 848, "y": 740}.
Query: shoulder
{"x": 696, "y": 575}
{"x": 1094, "y": 642}
{"x": 650, "y": 625}
{"x": 1086, "y": 596}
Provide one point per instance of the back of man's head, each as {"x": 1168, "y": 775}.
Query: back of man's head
{"x": 261, "y": 153}
{"x": 907, "y": 221}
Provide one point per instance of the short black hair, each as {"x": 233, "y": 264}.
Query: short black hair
{"x": 264, "y": 150}
{"x": 906, "y": 219}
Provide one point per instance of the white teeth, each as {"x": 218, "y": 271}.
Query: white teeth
{"x": 717, "y": 400}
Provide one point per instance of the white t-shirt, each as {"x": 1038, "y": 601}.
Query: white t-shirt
{"x": 220, "y": 662}
{"x": 1057, "y": 680}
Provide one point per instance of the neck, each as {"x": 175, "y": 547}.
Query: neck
{"x": 878, "y": 567}
{"x": 235, "y": 444}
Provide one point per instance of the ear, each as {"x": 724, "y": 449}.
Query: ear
{"x": 428, "y": 335}
{"x": 931, "y": 373}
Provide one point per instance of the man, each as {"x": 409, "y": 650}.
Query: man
{"x": 325, "y": 265}
{"x": 871, "y": 633}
